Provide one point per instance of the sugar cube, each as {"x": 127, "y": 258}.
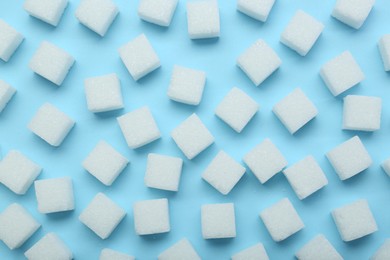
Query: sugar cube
{"x": 102, "y": 215}
{"x": 17, "y": 172}
{"x": 384, "y": 49}
{"x": 223, "y": 172}
{"x": 182, "y": 250}
{"x": 139, "y": 127}
{"x": 265, "y": 160}
{"x": 352, "y": 12}
{"x": 10, "y": 39}
{"x": 259, "y": 61}
{"x": 54, "y": 195}
{"x": 341, "y": 73}
{"x": 49, "y": 11}
{"x": 6, "y": 93}
{"x": 218, "y": 221}
{"x": 109, "y": 254}
{"x": 257, "y": 9}
{"x": 159, "y": 12}
{"x": 139, "y": 57}
{"x": 354, "y": 220}
{"x": 318, "y": 248}
{"x": 97, "y": 15}
{"x": 256, "y": 252}
{"x": 51, "y": 124}
{"x": 49, "y": 247}
{"x": 163, "y": 172}
{"x": 281, "y": 220}
{"x": 295, "y": 110}
{"x": 349, "y": 158}
{"x": 203, "y": 19}
{"x": 151, "y": 217}
{"x": 386, "y": 166}
{"x": 16, "y": 226}
{"x": 383, "y": 253}
{"x": 362, "y": 113}
{"x": 192, "y": 136}
{"x": 236, "y": 109}
{"x": 186, "y": 85}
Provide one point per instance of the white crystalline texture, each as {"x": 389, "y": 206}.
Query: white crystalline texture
{"x": 352, "y": 12}
{"x": 386, "y": 166}
{"x": 257, "y": 9}
{"x": 384, "y": 49}
{"x": 256, "y": 252}
{"x": 182, "y": 250}
{"x": 49, "y": 11}
{"x": 6, "y": 93}
{"x": 109, "y": 254}
{"x": 318, "y": 248}
{"x": 203, "y": 19}
{"x": 383, "y": 253}
{"x": 10, "y": 39}
{"x": 50, "y": 247}
{"x": 151, "y": 217}
{"x": 218, "y": 221}
{"x": 159, "y": 12}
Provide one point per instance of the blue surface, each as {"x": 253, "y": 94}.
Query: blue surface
{"x": 97, "y": 56}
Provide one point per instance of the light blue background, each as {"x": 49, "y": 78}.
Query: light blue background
{"x": 97, "y": 56}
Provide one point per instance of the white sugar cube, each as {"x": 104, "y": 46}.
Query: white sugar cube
{"x": 139, "y": 57}
{"x": 223, "y": 173}
{"x": 265, "y": 160}
{"x": 349, "y": 158}
{"x": 139, "y": 127}
{"x": 295, "y": 110}
{"x": 341, "y": 73}
{"x": 51, "y": 124}
{"x": 362, "y": 113}
{"x": 259, "y": 61}
{"x": 186, "y": 85}
{"x": 49, "y": 11}
{"x": 151, "y": 217}
{"x": 256, "y": 252}
{"x": 384, "y": 49}
{"x": 159, "y": 12}
{"x": 305, "y": 177}
{"x": 6, "y": 93}
{"x": 17, "y": 172}
{"x": 386, "y": 166}
{"x": 16, "y": 226}
{"x": 105, "y": 163}
{"x": 301, "y": 32}
{"x": 383, "y": 253}
{"x": 102, "y": 215}
{"x": 54, "y": 195}
{"x": 10, "y": 39}
{"x": 203, "y": 19}
{"x": 318, "y": 248}
{"x": 109, "y": 254}
{"x": 281, "y": 220}
{"x": 218, "y": 221}
{"x": 237, "y": 109}
{"x": 97, "y": 15}
{"x": 354, "y": 220}
{"x": 352, "y": 12}
{"x": 192, "y": 136}
{"x": 182, "y": 250}
{"x": 49, "y": 247}
{"x": 257, "y": 9}
{"x": 163, "y": 172}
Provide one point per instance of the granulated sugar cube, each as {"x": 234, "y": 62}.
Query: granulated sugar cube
{"x": 301, "y": 33}
{"x": 362, "y": 113}
{"x": 182, "y": 250}
{"x": 102, "y": 215}
{"x": 163, "y": 172}
{"x": 295, "y": 110}
{"x": 265, "y": 160}
{"x": 49, "y": 247}
{"x": 17, "y": 172}
{"x": 281, "y": 220}
{"x": 203, "y": 19}
{"x": 49, "y": 11}
{"x": 384, "y": 49}
{"x": 341, "y": 73}
{"x": 105, "y": 163}
{"x": 349, "y": 158}
{"x": 97, "y": 15}
{"x": 383, "y": 253}
{"x": 139, "y": 57}
{"x": 16, "y": 226}
{"x": 223, "y": 173}
{"x": 51, "y": 124}
{"x": 259, "y": 61}
{"x": 186, "y": 85}
{"x": 386, "y": 166}
{"x": 237, "y": 109}
{"x": 6, "y": 93}
{"x": 256, "y": 252}
{"x": 305, "y": 177}
{"x": 10, "y": 39}
{"x": 218, "y": 221}
{"x": 352, "y": 12}
{"x": 151, "y": 217}
{"x": 354, "y": 220}
{"x": 54, "y": 195}
{"x": 159, "y": 12}
{"x": 192, "y": 136}
{"x": 318, "y": 248}
{"x": 257, "y": 9}
{"x": 109, "y": 254}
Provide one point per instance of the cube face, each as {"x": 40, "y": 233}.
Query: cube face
{"x": 159, "y": 12}
{"x": 384, "y": 49}
{"x": 383, "y": 252}
{"x": 139, "y": 57}
{"x": 218, "y": 221}
{"x": 295, "y": 110}
{"x": 354, "y": 220}
{"x": 49, "y": 247}
{"x": 318, "y": 248}
{"x": 254, "y": 252}
{"x": 179, "y": 251}
{"x": 237, "y": 109}
{"x": 49, "y": 11}
{"x": 10, "y": 39}
{"x": 203, "y": 19}
{"x": 352, "y": 12}
{"x": 259, "y": 61}
{"x": 109, "y": 254}
{"x": 6, "y": 93}
{"x": 386, "y": 166}
{"x": 151, "y": 217}
{"x": 257, "y": 9}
